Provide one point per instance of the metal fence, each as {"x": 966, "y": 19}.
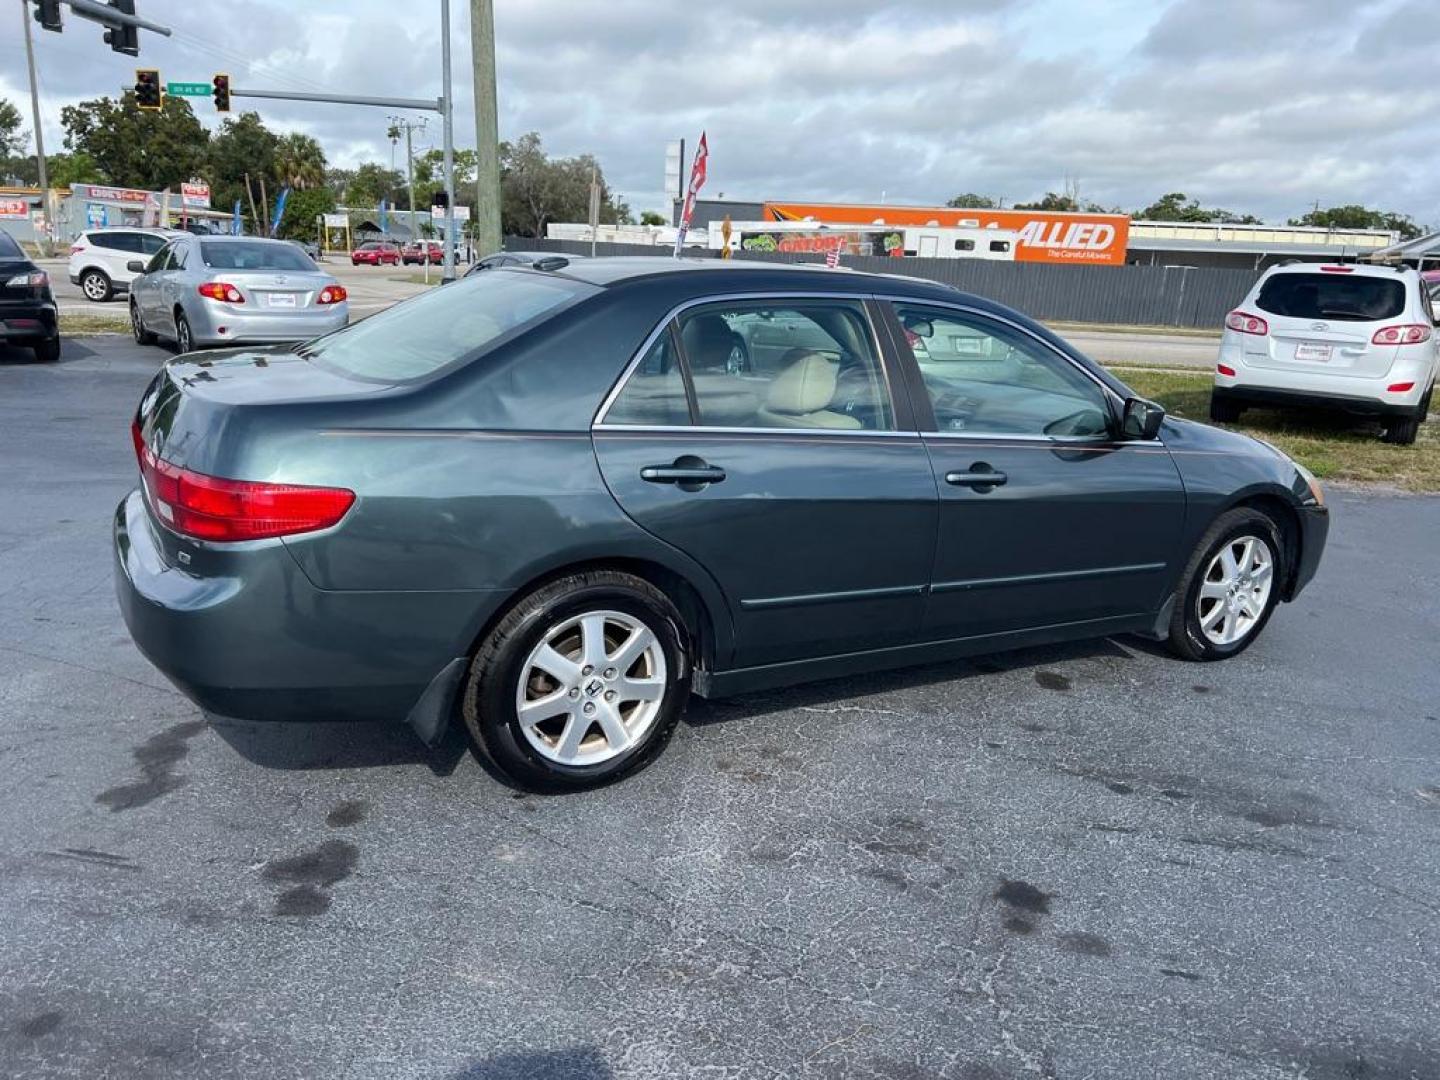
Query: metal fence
{"x": 1180, "y": 296}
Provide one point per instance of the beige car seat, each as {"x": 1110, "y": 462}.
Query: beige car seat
{"x": 801, "y": 395}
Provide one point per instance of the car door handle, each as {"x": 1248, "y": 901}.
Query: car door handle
{"x": 682, "y": 474}
{"x": 980, "y": 477}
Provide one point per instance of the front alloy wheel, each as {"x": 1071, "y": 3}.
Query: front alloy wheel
{"x": 1236, "y": 590}
{"x": 1229, "y": 587}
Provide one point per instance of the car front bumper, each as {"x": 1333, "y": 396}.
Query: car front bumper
{"x": 1314, "y": 529}
{"x": 28, "y": 320}
{"x": 254, "y": 639}
{"x": 230, "y": 324}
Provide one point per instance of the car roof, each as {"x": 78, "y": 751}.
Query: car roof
{"x": 137, "y": 228}
{"x": 744, "y": 274}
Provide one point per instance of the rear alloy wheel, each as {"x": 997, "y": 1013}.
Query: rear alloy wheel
{"x": 580, "y": 684}
{"x": 137, "y": 326}
{"x": 47, "y": 351}
{"x": 184, "y": 339}
{"x": 95, "y": 284}
{"x": 1230, "y": 587}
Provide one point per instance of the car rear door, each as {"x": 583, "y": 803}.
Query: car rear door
{"x": 800, "y": 484}
{"x": 1324, "y": 322}
{"x": 1046, "y": 519}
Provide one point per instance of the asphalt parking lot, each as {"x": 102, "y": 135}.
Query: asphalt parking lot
{"x": 1086, "y": 861}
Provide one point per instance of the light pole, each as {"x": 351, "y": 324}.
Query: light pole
{"x": 410, "y": 127}
{"x": 45, "y": 245}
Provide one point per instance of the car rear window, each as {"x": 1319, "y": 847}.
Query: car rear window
{"x": 1336, "y": 297}
{"x": 9, "y": 248}
{"x": 254, "y": 255}
{"x": 444, "y": 326}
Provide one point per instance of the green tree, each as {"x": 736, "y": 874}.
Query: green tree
{"x": 1353, "y": 216}
{"x": 302, "y": 208}
{"x": 970, "y": 201}
{"x": 242, "y": 165}
{"x": 13, "y": 137}
{"x": 373, "y": 182}
{"x": 134, "y": 147}
{"x": 650, "y": 217}
{"x": 1177, "y": 206}
{"x": 1051, "y": 202}
{"x": 536, "y": 189}
{"x": 299, "y": 161}
{"x": 62, "y": 170}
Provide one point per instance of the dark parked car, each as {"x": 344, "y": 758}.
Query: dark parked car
{"x": 543, "y": 260}
{"x": 28, "y": 315}
{"x": 549, "y": 501}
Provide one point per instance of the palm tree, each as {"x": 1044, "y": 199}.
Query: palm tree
{"x": 300, "y": 161}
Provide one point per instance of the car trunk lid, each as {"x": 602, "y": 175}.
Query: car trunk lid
{"x": 1325, "y": 322}
{"x": 276, "y": 291}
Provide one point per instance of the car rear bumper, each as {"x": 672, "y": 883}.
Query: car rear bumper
{"x": 28, "y": 320}
{"x": 224, "y": 324}
{"x": 1314, "y": 399}
{"x": 258, "y": 641}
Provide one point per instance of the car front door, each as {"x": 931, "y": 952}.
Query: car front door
{"x": 799, "y": 483}
{"x": 1047, "y": 517}
{"x": 146, "y": 288}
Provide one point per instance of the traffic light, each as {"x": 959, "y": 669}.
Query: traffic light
{"x": 47, "y": 14}
{"x": 222, "y": 93}
{"x": 147, "y": 88}
{"x": 125, "y": 39}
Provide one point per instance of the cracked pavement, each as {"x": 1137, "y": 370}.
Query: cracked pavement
{"x": 1071, "y": 862}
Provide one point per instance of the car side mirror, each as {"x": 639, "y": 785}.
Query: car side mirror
{"x": 135, "y": 266}
{"x": 1142, "y": 419}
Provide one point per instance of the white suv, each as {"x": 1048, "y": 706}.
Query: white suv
{"x": 99, "y": 258}
{"x": 1357, "y": 338}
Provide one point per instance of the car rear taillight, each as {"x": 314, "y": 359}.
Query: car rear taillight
{"x": 1226, "y": 370}
{"x": 1246, "y": 323}
{"x": 1399, "y": 387}
{"x": 76, "y": 249}
{"x": 331, "y": 294}
{"x": 34, "y": 279}
{"x": 216, "y": 509}
{"x": 1412, "y": 334}
{"x": 220, "y": 290}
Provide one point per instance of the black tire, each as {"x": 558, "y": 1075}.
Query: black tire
{"x": 47, "y": 351}
{"x": 184, "y": 338}
{"x": 489, "y": 702}
{"x": 1405, "y": 432}
{"x": 137, "y": 326}
{"x": 1224, "y": 410}
{"x": 1187, "y": 639}
{"x": 96, "y": 285}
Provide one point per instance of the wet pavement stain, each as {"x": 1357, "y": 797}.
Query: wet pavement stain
{"x": 1173, "y": 973}
{"x": 1022, "y": 896}
{"x": 157, "y": 757}
{"x": 1052, "y": 680}
{"x": 41, "y": 1024}
{"x": 1083, "y": 944}
{"x": 350, "y": 812}
{"x": 310, "y": 876}
{"x": 1200, "y": 688}
{"x": 1017, "y": 925}
{"x": 1118, "y": 788}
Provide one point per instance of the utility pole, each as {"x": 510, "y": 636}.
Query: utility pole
{"x": 487, "y": 129}
{"x": 46, "y": 245}
{"x": 410, "y": 127}
{"x": 447, "y": 116}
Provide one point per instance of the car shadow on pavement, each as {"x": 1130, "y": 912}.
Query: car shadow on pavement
{"x": 352, "y": 744}
{"x": 18, "y": 356}
{"x": 836, "y": 691}
{"x": 584, "y": 1063}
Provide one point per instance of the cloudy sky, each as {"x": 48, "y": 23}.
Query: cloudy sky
{"x": 1260, "y": 106}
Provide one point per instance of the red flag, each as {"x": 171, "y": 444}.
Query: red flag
{"x": 697, "y": 181}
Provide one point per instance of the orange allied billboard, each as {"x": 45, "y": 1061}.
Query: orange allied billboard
{"x": 1044, "y": 236}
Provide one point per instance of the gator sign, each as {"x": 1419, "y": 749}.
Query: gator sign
{"x": 1044, "y": 237}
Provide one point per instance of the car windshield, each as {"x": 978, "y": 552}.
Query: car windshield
{"x": 443, "y": 326}
{"x": 1337, "y": 297}
{"x": 254, "y": 255}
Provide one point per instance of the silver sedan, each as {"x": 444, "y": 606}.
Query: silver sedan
{"x": 230, "y": 290}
